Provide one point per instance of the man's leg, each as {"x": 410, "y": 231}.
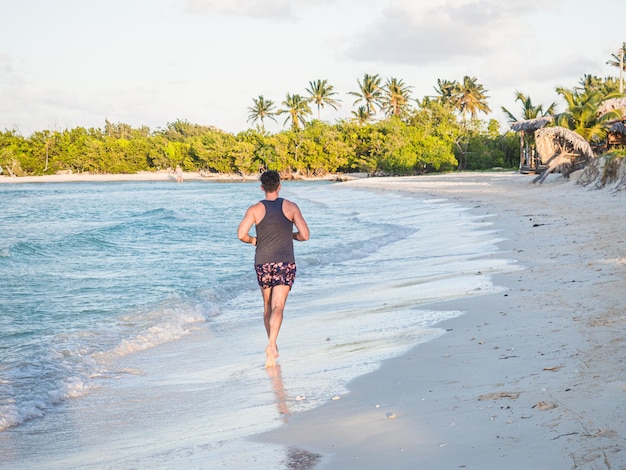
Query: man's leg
{"x": 274, "y": 300}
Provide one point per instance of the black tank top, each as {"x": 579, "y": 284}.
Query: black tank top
{"x": 274, "y": 235}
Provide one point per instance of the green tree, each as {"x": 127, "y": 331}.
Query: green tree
{"x": 213, "y": 152}
{"x": 408, "y": 149}
{"x": 448, "y": 92}
{"x": 395, "y": 98}
{"x": 182, "y": 130}
{"x": 581, "y": 115}
{"x": 325, "y": 150}
{"x": 619, "y": 61}
{"x": 321, "y": 93}
{"x": 242, "y": 154}
{"x": 252, "y": 152}
{"x": 13, "y": 148}
{"x": 370, "y": 93}
{"x": 285, "y": 144}
{"x": 605, "y": 86}
{"x": 619, "y": 58}
{"x": 357, "y": 137}
{"x": 438, "y": 118}
{"x": 472, "y": 98}
{"x": 260, "y": 110}
{"x": 361, "y": 115}
{"x": 528, "y": 109}
{"x": 297, "y": 109}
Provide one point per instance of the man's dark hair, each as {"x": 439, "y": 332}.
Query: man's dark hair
{"x": 270, "y": 180}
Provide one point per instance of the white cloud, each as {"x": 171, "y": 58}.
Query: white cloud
{"x": 420, "y": 33}
{"x": 251, "y": 8}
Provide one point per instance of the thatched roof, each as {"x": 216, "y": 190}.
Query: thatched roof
{"x": 561, "y": 150}
{"x": 553, "y": 140}
{"x": 531, "y": 124}
{"x": 611, "y": 105}
{"x": 618, "y": 127}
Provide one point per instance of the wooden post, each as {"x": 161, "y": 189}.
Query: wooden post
{"x": 521, "y": 150}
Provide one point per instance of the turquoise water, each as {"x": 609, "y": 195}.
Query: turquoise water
{"x": 121, "y": 289}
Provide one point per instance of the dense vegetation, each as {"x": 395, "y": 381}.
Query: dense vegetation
{"x": 387, "y": 134}
{"x": 430, "y": 139}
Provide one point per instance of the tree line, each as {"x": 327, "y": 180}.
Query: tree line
{"x": 389, "y": 132}
{"x": 433, "y": 136}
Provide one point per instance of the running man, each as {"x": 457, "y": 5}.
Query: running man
{"x": 274, "y": 260}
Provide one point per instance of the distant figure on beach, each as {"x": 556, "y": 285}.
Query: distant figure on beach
{"x": 179, "y": 174}
{"x": 274, "y": 260}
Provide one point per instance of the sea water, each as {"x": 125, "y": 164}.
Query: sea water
{"x": 131, "y": 332}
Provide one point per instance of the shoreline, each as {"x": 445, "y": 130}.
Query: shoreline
{"x": 150, "y": 176}
{"x": 135, "y": 177}
{"x": 532, "y": 376}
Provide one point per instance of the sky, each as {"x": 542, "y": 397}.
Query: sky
{"x": 71, "y": 63}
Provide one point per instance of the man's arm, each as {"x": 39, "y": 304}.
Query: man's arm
{"x": 302, "y": 234}
{"x": 245, "y": 225}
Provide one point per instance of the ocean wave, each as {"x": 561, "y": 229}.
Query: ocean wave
{"x": 171, "y": 329}
{"x": 378, "y": 237}
{"x": 69, "y": 365}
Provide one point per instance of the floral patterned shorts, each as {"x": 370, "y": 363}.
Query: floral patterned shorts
{"x": 275, "y": 274}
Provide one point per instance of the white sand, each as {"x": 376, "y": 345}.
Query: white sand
{"x": 533, "y": 377}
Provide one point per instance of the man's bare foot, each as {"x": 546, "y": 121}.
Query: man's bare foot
{"x": 271, "y": 353}
{"x": 270, "y": 361}
{"x": 271, "y": 350}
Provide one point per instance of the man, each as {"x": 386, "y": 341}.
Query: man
{"x": 274, "y": 260}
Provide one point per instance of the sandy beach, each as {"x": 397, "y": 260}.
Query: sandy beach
{"x": 533, "y": 377}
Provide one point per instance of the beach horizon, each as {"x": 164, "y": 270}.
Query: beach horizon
{"x": 155, "y": 176}
{"x": 164, "y": 175}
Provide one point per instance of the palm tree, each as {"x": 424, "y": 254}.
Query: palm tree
{"x": 582, "y": 116}
{"x": 361, "y": 115}
{"x": 619, "y": 61}
{"x": 448, "y": 92}
{"x": 370, "y": 92}
{"x": 261, "y": 109}
{"x": 528, "y": 154}
{"x": 321, "y": 94}
{"x": 396, "y": 97}
{"x": 298, "y": 109}
{"x": 472, "y": 98}
{"x": 604, "y": 85}
{"x": 529, "y": 111}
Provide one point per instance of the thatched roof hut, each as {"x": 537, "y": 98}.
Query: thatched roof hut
{"x": 616, "y": 132}
{"x": 532, "y": 125}
{"x": 561, "y": 149}
{"x": 612, "y": 104}
{"x": 618, "y": 127}
{"x": 528, "y": 160}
